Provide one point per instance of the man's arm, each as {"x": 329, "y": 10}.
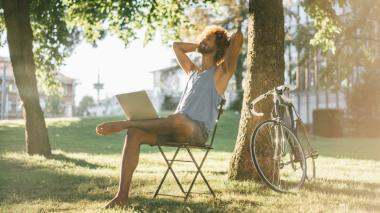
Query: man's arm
{"x": 180, "y": 50}
{"x": 232, "y": 52}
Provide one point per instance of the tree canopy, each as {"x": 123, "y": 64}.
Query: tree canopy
{"x": 347, "y": 31}
{"x": 59, "y": 25}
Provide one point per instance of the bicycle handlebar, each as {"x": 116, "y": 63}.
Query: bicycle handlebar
{"x": 287, "y": 86}
{"x": 276, "y": 96}
{"x": 252, "y": 107}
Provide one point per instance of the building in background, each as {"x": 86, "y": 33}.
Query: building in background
{"x": 11, "y": 105}
{"x": 105, "y": 107}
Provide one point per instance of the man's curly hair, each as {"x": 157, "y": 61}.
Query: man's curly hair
{"x": 222, "y": 40}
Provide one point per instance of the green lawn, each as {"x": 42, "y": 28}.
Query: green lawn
{"x": 82, "y": 175}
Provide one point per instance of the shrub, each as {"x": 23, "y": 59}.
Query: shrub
{"x": 169, "y": 103}
{"x": 363, "y": 105}
{"x": 328, "y": 122}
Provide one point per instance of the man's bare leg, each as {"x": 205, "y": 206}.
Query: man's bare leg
{"x": 130, "y": 158}
{"x": 141, "y": 132}
{"x": 173, "y": 124}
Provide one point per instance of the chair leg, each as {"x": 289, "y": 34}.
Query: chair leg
{"x": 198, "y": 172}
{"x": 169, "y": 164}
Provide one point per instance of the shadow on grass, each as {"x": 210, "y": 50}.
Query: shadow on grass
{"x": 354, "y": 189}
{"x": 76, "y": 162}
{"x": 143, "y": 204}
{"x": 215, "y": 172}
{"x": 343, "y": 187}
{"x": 248, "y": 187}
{"x": 25, "y": 182}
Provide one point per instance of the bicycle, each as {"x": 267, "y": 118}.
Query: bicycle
{"x": 281, "y": 142}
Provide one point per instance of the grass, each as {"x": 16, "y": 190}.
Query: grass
{"x": 82, "y": 175}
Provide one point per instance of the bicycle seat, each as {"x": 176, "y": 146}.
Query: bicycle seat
{"x": 282, "y": 96}
{"x": 282, "y": 88}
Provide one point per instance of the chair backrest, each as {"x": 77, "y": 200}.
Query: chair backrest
{"x": 220, "y": 112}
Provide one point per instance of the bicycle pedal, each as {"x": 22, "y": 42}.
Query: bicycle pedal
{"x": 281, "y": 166}
{"x": 314, "y": 154}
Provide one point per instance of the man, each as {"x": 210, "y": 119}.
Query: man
{"x": 197, "y": 109}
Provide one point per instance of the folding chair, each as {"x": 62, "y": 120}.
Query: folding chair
{"x": 207, "y": 147}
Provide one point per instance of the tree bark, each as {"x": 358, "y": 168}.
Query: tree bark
{"x": 239, "y": 76}
{"x": 20, "y": 42}
{"x": 265, "y": 70}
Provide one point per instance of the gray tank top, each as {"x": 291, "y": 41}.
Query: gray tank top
{"x": 200, "y": 99}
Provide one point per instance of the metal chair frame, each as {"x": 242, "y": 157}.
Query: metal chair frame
{"x": 207, "y": 147}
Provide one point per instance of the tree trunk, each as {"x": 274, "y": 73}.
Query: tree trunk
{"x": 239, "y": 78}
{"x": 265, "y": 71}
{"x": 20, "y": 42}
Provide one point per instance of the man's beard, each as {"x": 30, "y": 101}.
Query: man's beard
{"x": 204, "y": 49}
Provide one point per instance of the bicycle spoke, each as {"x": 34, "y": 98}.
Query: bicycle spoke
{"x": 273, "y": 172}
{"x": 271, "y": 137}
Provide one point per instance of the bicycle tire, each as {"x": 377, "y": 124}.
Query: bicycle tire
{"x": 277, "y": 175}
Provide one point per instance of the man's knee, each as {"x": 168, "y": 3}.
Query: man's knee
{"x": 134, "y": 134}
{"x": 138, "y": 137}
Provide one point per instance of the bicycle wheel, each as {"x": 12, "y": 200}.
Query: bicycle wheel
{"x": 278, "y": 156}
{"x": 310, "y": 153}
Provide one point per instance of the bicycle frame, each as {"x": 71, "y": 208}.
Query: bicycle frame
{"x": 277, "y": 118}
{"x": 291, "y": 109}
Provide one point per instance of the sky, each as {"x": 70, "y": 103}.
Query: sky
{"x": 121, "y": 70}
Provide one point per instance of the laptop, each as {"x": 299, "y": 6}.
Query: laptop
{"x": 137, "y": 105}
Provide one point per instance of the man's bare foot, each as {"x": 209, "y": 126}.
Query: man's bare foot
{"x": 110, "y": 127}
{"x": 117, "y": 202}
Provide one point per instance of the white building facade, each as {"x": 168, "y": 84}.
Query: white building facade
{"x": 11, "y": 105}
